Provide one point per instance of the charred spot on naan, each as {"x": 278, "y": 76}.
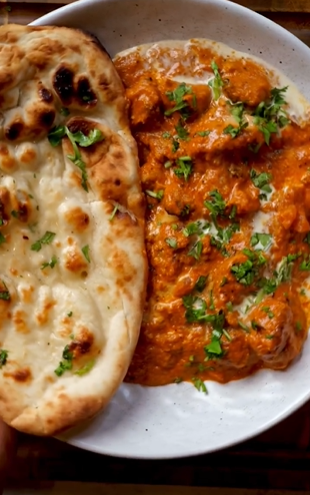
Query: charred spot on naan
{"x": 7, "y": 160}
{"x": 78, "y": 218}
{"x": 82, "y": 344}
{"x": 74, "y": 260}
{"x": 71, "y": 89}
{"x": 39, "y": 118}
{"x": 22, "y": 375}
{"x": 44, "y": 93}
{"x": 4, "y": 206}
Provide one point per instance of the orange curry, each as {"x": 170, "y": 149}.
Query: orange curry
{"x": 226, "y": 174}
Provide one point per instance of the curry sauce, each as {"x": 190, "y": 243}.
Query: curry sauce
{"x": 226, "y": 172}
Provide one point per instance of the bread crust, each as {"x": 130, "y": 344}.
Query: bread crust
{"x": 84, "y": 289}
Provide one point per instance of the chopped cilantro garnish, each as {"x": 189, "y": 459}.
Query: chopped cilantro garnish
{"x": 229, "y": 306}
{"x": 157, "y": 195}
{"x": 298, "y": 326}
{"x": 85, "y": 251}
{"x": 233, "y": 212}
{"x": 3, "y": 357}
{"x": 228, "y": 337}
{"x": 197, "y": 228}
{"x": 307, "y": 238}
{"x": 245, "y": 273}
{"x": 263, "y": 239}
{"x": 203, "y": 133}
{"x": 86, "y": 368}
{"x": 237, "y": 110}
{"x": 77, "y": 138}
{"x": 175, "y": 145}
{"x": 172, "y": 242}
{"x": 15, "y": 213}
{"x": 201, "y": 283}
{"x": 177, "y": 96}
{"x": 261, "y": 181}
{"x": 214, "y": 348}
{"x": 64, "y": 111}
{"x": 305, "y": 264}
{"x": 223, "y": 236}
{"x": 217, "y": 82}
{"x": 181, "y": 131}
{"x": 115, "y": 210}
{"x": 196, "y": 250}
{"x": 166, "y": 135}
{"x": 211, "y": 303}
{"x": 4, "y": 292}
{"x": 269, "y": 115}
{"x": 70, "y": 314}
{"x": 216, "y": 205}
{"x": 66, "y": 364}
{"x": 243, "y": 326}
{"x": 268, "y": 312}
{"x": 178, "y": 380}
{"x": 184, "y": 167}
{"x": 185, "y": 210}
{"x": 51, "y": 263}
{"x": 2, "y": 238}
{"x": 195, "y": 308}
{"x": 46, "y": 239}
{"x": 200, "y": 385}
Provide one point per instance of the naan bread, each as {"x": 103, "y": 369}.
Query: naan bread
{"x": 72, "y": 257}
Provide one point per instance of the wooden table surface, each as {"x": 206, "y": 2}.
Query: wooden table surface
{"x": 278, "y": 459}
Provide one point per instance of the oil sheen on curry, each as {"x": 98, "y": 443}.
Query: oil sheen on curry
{"x": 223, "y": 144}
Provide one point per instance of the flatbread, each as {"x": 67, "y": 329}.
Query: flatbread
{"x": 72, "y": 257}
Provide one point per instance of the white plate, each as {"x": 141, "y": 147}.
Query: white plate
{"x": 176, "y": 420}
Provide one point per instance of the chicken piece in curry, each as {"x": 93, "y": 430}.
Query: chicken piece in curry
{"x": 226, "y": 174}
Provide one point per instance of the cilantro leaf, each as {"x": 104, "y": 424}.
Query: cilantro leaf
{"x": 198, "y": 228}
{"x": 203, "y": 133}
{"x": 85, "y": 251}
{"x": 196, "y": 250}
{"x": 47, "y": 238}
{"x": 86, "y": 368}
{"x": 157, "y": 195}
{"x": 201, "y": 283}
{"x": 177, "y": 96}
{"x": 217, "y": 82}
{"x": 184, "y": 167}
{"x": 181, "y": 131}
{"x": 216, "y": 205}
{"x": 263, "y": 239}
{"x": 305, "y": 265}
{"x": 94, "y": 136}
{"x": 3, "y": 357}
{"x": 51, "y": 263}
{"x": 195, "y": 308}
{"x": 269, "y": 115}
{"x": 66, "y": 364}
{"x": 172, "y": 242}
{"x": 214, "y": 348}
{"x": 4, "y": 292}
{"x": 261, "y": 181}
{"x": 200, "y": 385}
{"x": 245, "y": 273}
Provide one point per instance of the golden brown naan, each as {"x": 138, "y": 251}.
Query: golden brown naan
{"x": 72, "y": 259}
